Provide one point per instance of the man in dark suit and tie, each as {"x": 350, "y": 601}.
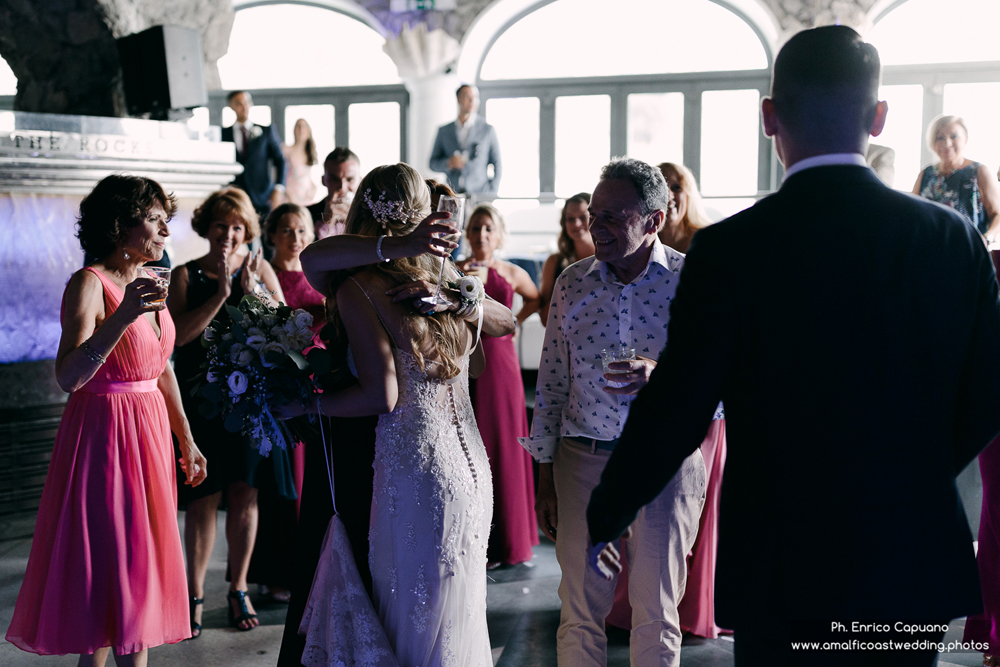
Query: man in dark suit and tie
{"x": 465, "y": 149}
{"x": 853, "y": 333}
{"x": 258, "y": 149}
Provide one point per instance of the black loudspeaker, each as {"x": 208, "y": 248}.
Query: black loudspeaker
{"x": 162, "y": 71}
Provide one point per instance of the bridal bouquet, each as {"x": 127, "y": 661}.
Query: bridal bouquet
{"x": 256, "y": 358}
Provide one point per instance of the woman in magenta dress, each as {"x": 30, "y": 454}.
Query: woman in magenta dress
{"x": 106, "y": 570}
{"x": 498, "y": 396}
{"x": 289, "y": 229}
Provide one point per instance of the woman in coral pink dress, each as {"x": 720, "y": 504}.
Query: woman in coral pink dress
{"x": 498, "y": 396}
{"x": 106, "y": 571}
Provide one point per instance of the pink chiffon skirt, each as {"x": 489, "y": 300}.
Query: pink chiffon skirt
{"x": 106, "y": 565}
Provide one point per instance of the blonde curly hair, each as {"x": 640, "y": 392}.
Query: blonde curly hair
{"x": 442, "y": 332}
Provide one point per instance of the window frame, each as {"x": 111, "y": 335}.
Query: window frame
{"x": 690, "y": 84}
{"x": 934, "y": 78}
{"x": 340, "y": 97}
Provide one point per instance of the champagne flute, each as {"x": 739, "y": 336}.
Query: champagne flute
{"x": 455, "y": 206}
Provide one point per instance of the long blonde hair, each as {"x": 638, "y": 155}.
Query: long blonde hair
{"x": 443, "y": 332}
{"x": 695, "y": 217}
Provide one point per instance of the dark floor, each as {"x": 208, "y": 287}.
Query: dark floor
{"x": 523, "y": 613}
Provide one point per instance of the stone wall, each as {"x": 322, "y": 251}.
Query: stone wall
{"x": 796, "y": 15}
{"x": 64, "y": 55}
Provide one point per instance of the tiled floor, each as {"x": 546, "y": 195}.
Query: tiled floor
{"x": 523, "y": 616}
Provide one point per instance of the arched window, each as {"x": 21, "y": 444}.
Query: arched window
{"x": 577, "y": 81}
{"x": 300, "y": 46}
{"x": 573, "y": 38}
{"x": 930, "y": 69}
{"x": 303, "y": 61}
{"x": 920, "y": 32}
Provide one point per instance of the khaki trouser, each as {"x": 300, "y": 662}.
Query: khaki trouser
{"x": 662, "y": 536}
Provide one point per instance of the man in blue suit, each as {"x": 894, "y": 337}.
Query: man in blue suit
{"x": 258, "y": 149}
{"x": 465, "y": 149}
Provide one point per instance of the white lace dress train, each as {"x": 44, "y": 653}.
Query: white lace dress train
{"x": 430, "y": 522}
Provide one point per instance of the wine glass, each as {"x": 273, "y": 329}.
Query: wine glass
{"x": 455, "y": 206}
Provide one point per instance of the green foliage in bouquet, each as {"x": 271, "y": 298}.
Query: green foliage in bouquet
{"x": 256, "y": 358}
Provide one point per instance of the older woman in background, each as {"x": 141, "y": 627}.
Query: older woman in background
{"x": 198, "y": 292}
{"x": 498, "y": 395}
{"x": 574, "y": 244}
{"x": 687, "y": 212}
{"x": 956, "y": 181}
{"x": 106, "y": 570}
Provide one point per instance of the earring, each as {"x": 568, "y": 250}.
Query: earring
{"x": 125, "y": 252}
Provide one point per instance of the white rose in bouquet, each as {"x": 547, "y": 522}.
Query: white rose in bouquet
{"x": 303, "y": 320}
{"x": 212, "y": 376}
{"x": 240, "y": 355}
{"x": 234, "y": 352}
{"x": 210, "y": 335}
{"x": 255, "y": 331}
{"x": 257, "y": 341}
{"x": 238, "y": 383}
{"x": 272, "y": 347}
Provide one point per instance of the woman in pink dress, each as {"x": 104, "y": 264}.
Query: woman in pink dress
{"x": 300, "y": 188}
{"x": 106, "y": 570}
{"x": 498, "y": 396}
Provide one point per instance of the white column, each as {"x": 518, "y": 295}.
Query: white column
{"x": 432, "y": 104}
{"x": 423, "y": 57}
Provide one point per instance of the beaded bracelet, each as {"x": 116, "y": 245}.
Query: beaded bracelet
{"x": 91, "y": 353}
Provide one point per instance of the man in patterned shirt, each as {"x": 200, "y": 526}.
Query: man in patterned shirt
{"x": 621, "y": 296}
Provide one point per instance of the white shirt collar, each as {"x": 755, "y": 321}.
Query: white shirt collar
{"x": 659, "y": 255}
{"x": 469, "y": 123}
{"x": 855, "y": 159}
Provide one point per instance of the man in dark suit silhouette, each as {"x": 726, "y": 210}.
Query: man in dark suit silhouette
{"x": 258, "y": 149}
{"x": 853, "y": 333}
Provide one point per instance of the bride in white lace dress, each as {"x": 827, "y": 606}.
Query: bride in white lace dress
{"x": 433, "y": 502}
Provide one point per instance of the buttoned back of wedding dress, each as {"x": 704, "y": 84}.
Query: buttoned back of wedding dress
{"x": 430, "y": 522}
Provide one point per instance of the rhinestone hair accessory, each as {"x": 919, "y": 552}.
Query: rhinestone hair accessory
{"x": 384, "y": 211}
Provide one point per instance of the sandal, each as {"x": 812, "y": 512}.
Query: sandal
{"x": 195, "y": 627}
{"x": 245, "y": 615}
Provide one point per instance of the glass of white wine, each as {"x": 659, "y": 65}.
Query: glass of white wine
{"x": 455, "y": 206}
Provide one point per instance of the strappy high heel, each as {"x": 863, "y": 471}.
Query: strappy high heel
{"x": 195, "y": 627}
{"x": 245, "y": 615}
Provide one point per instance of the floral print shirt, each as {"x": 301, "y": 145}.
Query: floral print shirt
{"x": 591, "y": 311}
